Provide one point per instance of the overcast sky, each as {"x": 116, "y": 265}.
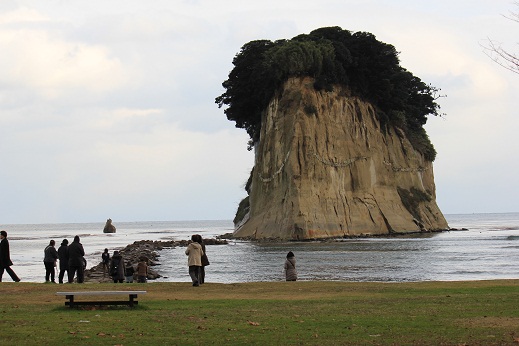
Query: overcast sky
{"x": 107, "y": 107}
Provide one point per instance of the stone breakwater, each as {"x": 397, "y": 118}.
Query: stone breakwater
{"x": 143, "y": 248}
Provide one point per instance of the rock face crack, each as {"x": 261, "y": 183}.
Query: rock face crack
{"x": 335, "y": 171}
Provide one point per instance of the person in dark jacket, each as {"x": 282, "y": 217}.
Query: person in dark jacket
{"x": 76, "y": 261}
{"x": 117, "y": 268}
{"x": 205, "y": 260}
{"x": 50, "y": 256}
{"x": 5, "y": 258}
{"x": 63, "y": 260}
{"x": 105, "y": 257}
{"x": 290, "y": 267}
{"x": 129, "y": 271}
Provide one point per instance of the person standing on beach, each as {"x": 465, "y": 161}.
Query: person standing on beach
{"x": 205, "y": 260}
{"x": 106, "y": 261}
{"x": 117, "y": 268}
{"x": 194, "y": 261}
{"x": 50, "y": 256}
{"x": 129, "y": 271}
{"x": 76, "y": 261}
{"x": 63, "y": 260}
{"x": 290, "y": 267}
{"x": 5, "y": 258}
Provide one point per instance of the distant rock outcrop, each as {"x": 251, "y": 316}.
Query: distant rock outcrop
{"x": 326, "y": 167}
{"x": 109, "y": 228}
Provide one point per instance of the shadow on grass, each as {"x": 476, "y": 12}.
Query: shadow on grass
{"x": 100, "y": 307}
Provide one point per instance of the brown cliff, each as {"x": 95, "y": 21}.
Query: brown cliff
{"x": 324, "y": 167}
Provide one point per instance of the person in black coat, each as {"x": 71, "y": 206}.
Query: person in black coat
{"x": 76, "y": 261}
{"x": 49, "y": 260}
{"x": 5, "y": 258}
{"x": 63, "y": 260}
{"x": 117, "y": 270}
{"x": 205, "y": 260}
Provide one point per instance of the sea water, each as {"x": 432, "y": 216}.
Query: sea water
{"x": 487, "y": 249}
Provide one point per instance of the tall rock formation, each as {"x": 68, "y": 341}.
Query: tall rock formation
{"x": 325, "y": 167}
{"x": 109, "y": 228}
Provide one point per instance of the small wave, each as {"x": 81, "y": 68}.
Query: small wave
{"x": 24, "y": 238}
{"x": 504, "y": 228}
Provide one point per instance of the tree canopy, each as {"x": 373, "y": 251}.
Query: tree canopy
{"x": 332, "y": 56}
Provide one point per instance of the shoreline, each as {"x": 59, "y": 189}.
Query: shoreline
{"x": 393, "y": 234}
{"x": 149, "y": 249}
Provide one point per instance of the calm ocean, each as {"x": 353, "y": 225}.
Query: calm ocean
{"x": 488, "y": 250}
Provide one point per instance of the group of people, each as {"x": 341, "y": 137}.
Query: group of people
{"x": 197, "y": 261}
{"x": 71, "y": 261}
{"x": 120, "y": 272}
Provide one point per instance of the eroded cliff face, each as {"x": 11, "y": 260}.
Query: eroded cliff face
{"x": 325, "y": 168}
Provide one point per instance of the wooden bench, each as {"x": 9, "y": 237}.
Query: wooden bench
{"x": 132, "y": 296}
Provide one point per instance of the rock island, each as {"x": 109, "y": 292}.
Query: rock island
{"x": 336, "y": 125}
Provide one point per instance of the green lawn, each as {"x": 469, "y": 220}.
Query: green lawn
{"x": 269, "y": 313}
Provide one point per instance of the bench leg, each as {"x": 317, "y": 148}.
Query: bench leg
{"x": 70, "y": 300}
{"x": 132, "y": 296}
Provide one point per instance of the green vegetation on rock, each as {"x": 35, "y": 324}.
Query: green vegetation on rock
{"x": 332, "y": 56}
{"x": 412, "y": 198}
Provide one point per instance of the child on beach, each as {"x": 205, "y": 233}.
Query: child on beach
{"x": 105, "y": 260}
{"x": 129, "y": 273}
{"x": 142, "y": 270}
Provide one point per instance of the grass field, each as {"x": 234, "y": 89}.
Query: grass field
{"x": 268, "y": 313}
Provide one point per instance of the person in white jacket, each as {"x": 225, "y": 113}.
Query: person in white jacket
{"x": 194, "y": 261}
